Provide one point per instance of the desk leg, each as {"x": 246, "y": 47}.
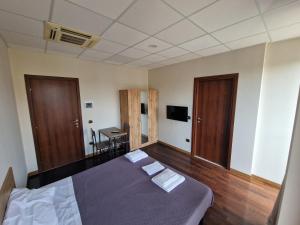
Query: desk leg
{"x": 112, "y": 142}
{"x": 115, "y": 147}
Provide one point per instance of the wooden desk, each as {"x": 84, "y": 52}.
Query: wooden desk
{"x": 110, "y": 132}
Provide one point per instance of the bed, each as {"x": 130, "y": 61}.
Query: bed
{"x": 120, "y": 192}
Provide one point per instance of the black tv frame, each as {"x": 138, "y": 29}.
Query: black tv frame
{"x": 178, "y": 117}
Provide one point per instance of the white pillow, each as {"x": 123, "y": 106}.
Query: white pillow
{"x": 31, "y": 207}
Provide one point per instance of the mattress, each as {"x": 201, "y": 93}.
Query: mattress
{"x": 121, "y": 193}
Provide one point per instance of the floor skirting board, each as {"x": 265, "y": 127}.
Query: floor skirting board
{"x": 175, "y": 148}
{"x": 251, "y": 178}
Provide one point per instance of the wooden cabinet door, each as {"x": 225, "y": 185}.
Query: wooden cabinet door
{"x": 134, "y": 113}
{"x": 124, "y": 110}
{"x": 55, "y": 113}
{"x": 152, "y": 113}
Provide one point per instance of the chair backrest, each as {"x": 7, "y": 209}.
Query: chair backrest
{"x": 94, "y": 139}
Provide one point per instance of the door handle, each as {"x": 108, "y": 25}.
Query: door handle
{"x": 198, "y": 119}
{"x": 76, "y": 123}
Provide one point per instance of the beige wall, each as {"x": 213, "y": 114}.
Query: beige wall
{"x": 11, "y": 150}
{"x": 266, "y": 103}
{"x": 98, "y": 83}
{"x": 175, "y": 86}
{"x": 280, "y": 85}
{"x": 289, "y": 208}
{"x": 266, "y": 100}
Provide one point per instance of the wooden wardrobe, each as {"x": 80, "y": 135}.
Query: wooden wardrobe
{"x": 138, "y": 111}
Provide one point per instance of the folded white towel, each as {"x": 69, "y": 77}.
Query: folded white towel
{"x": 180, "y": 179}
{"x": 165, "y": 178}
{"x": 136, "y": 155}
{"x": 153, "y": 168}
{"x": 168, "y": 180}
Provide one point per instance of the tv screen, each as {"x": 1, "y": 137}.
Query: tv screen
{"x": 143, "y": 108}
{"x": 179, "y": 113}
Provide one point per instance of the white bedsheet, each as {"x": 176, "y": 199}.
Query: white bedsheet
{"x": 31, "y": 207}
{"x": 54, "y": 204}
{"x": 65, "y": 202}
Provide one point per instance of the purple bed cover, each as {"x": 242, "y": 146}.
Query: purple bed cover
{"x": 121, "y": 193}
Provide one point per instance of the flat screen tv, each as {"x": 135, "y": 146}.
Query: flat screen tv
{"x": 179, "y": 113}
{"x": 143, "y": 108}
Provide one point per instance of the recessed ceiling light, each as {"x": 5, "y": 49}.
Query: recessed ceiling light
{"x": 152, "y": 46}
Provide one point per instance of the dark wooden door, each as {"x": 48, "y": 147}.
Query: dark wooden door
{"x": 55, "y": 112}
{"x": 213, "y": 117}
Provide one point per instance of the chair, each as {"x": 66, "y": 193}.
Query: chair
{"x": 99, "y": 146}
{"x": 123, "y": 141}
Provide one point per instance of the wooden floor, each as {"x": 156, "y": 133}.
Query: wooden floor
{"x": 237, "y": 202}
{"x": 41, "y": 179}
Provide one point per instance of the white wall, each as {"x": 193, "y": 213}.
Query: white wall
{"x": 98, "y": 82}
{"x": 11, "y": 151}
{"x": 175, "y": 86}
{"x": 279, "y": 92}
{"x": 289, "y": 208}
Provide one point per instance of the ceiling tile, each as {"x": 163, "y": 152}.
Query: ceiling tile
{"x": 171, "y": 61}
{"x": 94, "y": 55}
{"x": 134, "y": 53}
{"x": 79, "y": 18}
{"x": 36, "y": 9}
{"x": 149, "y": 45}
{"x": 140, "y": 62}
{"x": 121, "y": 59}
{"x": 187, "y": 57}
{"x": 266, "y": 5}
{"x": 187, "y": 7}
{"x": 200, "y": 43}
{"x": 113, "y": 62}
{"x": 180, "y": 32}
{"x": 173, "y": 52}
{"x": 22, "y": 40}
{"x": 150, "y": 16}
{"x": 124, "y": 35}
{"x": 249, "y": 41}
{"x": 108, "y": 46}
{"x": 109, "y": 8}
{"x": 63, "y": 48}
{"x": 20, "y": 24}
{"x": 283, "y": 16}
{"x": 27, "y": 48}
{"x": 154, "y": 58}
{"x": 286, "y": 32}
{"x": 240, "y": 30}
{"x": 154, "y": 66}
{"x": 213, "y": 51}
{"x": 224, "y": 13}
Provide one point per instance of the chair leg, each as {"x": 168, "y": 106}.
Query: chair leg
{"x": 115, "y": 148}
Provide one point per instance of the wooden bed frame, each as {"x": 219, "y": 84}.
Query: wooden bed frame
{"x": 6, "y": 188}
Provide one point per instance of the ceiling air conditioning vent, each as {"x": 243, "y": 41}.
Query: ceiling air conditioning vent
{"x": 59, "y": 33}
